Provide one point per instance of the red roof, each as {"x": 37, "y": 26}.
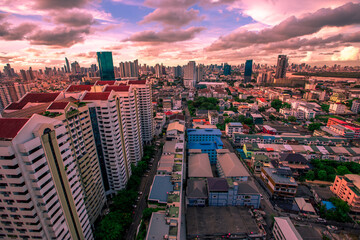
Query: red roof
{"x": 105, "y": 82}
{"x": 338, "y": 121}
{"x": 120, "y": 88}
{"x": 261, "y": 99}
{"x": 58, "y": 105}
{"x": 137, "y": 82}
{"x": 96, "y": 96}
{"x": 11, "y": 126}
{"x": 78, "y": 88}
{"x": 168, "y": 113}
{"x": 33, "y": 98}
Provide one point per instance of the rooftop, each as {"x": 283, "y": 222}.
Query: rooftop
{"x": 33, "y": 98}
{"x": 105, "y": 82}
{"x": 231, "y": 165}
{"x": 217, "y": 185}
{"x": 219, "y": 221}
{"x": 160, "y": 189}
{"x": 78, "y": 88}
{"x": 247, "y": 188}
{"x": 157, "y": 227}
{"x": 11, "y": 126}
{"x": 287, "y": 228}
{"x": 130, "y": 82}
{"x": 199, "y": 165}
{"x": 96, "y": 96}
{"x": 196, "y": 188}
{"x": 206, "y": 131}
{"x": 176, "y": 126}
{"x": 58, "y": 105}
{"x": 120, "y": 88}
{"x": 276, "y": 175}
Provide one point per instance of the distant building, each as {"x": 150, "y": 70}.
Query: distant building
{"x": 233, "y": 127}
{"x": 348, "y": 189}
{"x": 281, "y": 66}
{"x": 248, "y": 70}
{"x": 355, "y": 107}
{"x": 337, "y": 108}
{"x": 227, "y": 69}
{"x": 106, "y": 65}
{"x": 190, "y": 75}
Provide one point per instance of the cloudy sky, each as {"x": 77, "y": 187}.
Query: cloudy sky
{"x": 41, "y": 33}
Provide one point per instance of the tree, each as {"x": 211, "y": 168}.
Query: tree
{"x": 272, "y": 117}
{"x": 286, "y": 105}
{"x": 276, "y": 104}
{"x": 310, "y": 175}
{"x": 225, "y": 114}
{"x": 322, "y": 175}
{"x": 325, "y": 107}
{"x": 342, "y": 170}
{"x": 248, "y": 121}
{"x": 292, "y": 119}
{"x": 262, "y": 109}
{"x": 314, "y": 126}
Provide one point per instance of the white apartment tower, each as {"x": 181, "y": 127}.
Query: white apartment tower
{"x": 143, "y": 94}
{"x": 111, "y": 138}
{"x": 41, "y": 193}
{"x": 190, "y": 75}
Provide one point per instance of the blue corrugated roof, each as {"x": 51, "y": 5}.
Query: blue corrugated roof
{"x": 160, "y": 188}
{"x": 202, "y": 145}
{"x": 328, "y": 205}
{"x": 204, "y": 131}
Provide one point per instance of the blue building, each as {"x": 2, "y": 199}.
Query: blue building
{"x": 106, "y": 65}
{"x": 203, "y": 135}
{"x": 248, "y": 70}
{"x": 207, "y": 140}
{"x": 225, "y": 192}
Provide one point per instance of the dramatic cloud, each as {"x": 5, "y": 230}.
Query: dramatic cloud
{"x": 74, "y": 18}
{"x": 170, "y": 4}
{"x": 91, "y": 55}
{"x": 172, "y": 17}
{"x": 59, "y": 4}
{"x": 165, "y": 36}
{"x": 345, "y": 15}
{"x": 59, "y": 37}
{"x": 16, "y": 33}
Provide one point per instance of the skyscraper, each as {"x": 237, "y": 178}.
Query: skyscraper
{"x": 227, "y": 69}
{"x": 158, "y": 72}
{"x": 281, "y": 66}
{"x": 248, "y": 70}
{"x": 67, "y": 65}
{"x": 106, "y": 65}
{"x": 190, "y": 74}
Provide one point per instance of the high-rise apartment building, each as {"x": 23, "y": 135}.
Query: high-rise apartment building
{"x": 143, "y": 94}
{"x": 106, "y": 65}
{"x": 282, "y": 63}
{"x": 109, "y": 128}
{"x": 158, "y": 71}
{"x": 199, "y": 73}
{"x": 11, "y": 92}
{"x": 248, "y": 70}
{"x": 41, "y": 195}
{"x": 190, "y": 75}
{"x": 129, "y": 69}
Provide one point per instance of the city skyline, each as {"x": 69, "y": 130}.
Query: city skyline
{"x": 41, "y": 33}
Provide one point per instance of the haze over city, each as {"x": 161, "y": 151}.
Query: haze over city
{"x": 42, "y": 32}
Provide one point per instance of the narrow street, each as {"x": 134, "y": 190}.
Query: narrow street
{"x": 144, "y": 187}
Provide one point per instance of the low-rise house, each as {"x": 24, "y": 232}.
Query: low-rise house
{"x": 279, "y": 182}
{"x": 222, "y": 192}
{"x": 259, "y": 161}
{"x": 196, "y": 192}
{"x": 233, "y": 127}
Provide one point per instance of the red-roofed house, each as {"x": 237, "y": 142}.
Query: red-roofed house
{"x": 130, "y": 82}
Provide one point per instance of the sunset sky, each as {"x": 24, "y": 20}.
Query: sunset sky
{"x": 41, "y": 33}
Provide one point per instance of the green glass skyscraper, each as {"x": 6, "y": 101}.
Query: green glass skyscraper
{"x": 106, "y": 65}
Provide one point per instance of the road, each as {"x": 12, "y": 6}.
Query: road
{"x": 145, "y": 185}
